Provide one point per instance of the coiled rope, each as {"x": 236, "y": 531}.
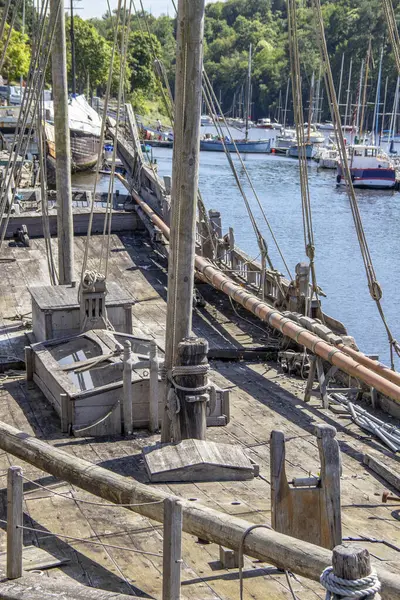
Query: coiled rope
{"x": 349, "y": 589}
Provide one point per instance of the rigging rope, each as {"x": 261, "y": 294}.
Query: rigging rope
{"x": 108, "y": 217}
{"x": 101, "y": 144}
{"x": 302, "y": 153}
{"x": 13, "y": 17}
{"x": 373, "y": 285}
{"x": 35, "y": 81}
{"x": 169, "y": 106}
{"x": 4, "y": 18}
{"x": 393, "y": 31}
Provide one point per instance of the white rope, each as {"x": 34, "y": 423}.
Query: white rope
{"x": 348, "y": 589}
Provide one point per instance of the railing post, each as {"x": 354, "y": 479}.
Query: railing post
{"x": 153, "y": 396}
{"x": 172, "y": 549}
{"x": 127, "y": 408}
{"x": 15, "y": 497}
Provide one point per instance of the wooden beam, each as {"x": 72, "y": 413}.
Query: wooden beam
{"x": 382, "y": 470}
{"x": 227, "y": 530}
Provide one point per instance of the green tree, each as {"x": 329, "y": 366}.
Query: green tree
{"x": 141, "y": 51}
{"x": 18, "y": 55}
{"x": 91, "y": 55}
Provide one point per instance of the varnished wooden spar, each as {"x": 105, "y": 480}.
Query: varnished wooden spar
{"x": 227, "y": 530}
{"x": 375, "y": 375}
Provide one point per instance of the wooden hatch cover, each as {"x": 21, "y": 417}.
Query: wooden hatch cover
{"x": 198, "y": 460}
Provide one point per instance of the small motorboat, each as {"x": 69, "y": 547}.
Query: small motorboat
{"x": 370, "y": 167}
{"x": 327, "y": 158}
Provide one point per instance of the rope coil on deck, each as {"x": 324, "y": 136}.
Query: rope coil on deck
{"x": 348, "y": 589}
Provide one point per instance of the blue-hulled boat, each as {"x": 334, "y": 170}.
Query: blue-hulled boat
{"x": 243, "y": 146}
{"x": 370, "y": 167}
{"x": 293, "y": 151}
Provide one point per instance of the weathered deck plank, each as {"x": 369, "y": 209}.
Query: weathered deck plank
{"x": 262, "y": 399}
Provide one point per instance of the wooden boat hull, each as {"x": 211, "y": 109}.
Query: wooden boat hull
{"x": 249, "y": 147}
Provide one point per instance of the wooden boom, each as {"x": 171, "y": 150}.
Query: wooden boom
{"x": 351, "y": 362}
{"x": 227, "y": 530}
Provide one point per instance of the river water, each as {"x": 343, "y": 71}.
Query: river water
{"x": 340, "y": 270}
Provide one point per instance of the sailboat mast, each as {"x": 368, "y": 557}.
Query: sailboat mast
{"x": 394, "y": 111}
{"x": 339, "y": 92}
{"x": 310, "y": 107}
{"x": 359, "y": 96}
{"x": 375, "y": 125}
{"x": 72, "y": 37}
{"x": 364, "y": 101}
{"x": 248, "y": 95}
{"x": 278, "y": 116}
{"x": 286, "y": 103}
{"x": 348, "y": 104}
{"x": 65, "y": 229}
{"x": 384, "y": 108}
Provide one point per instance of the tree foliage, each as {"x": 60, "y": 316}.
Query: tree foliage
{"x": 18, "y": 55}
{"x": 230, "y": 27}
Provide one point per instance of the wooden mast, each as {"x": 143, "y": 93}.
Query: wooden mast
{"x": 65, "y": 229}
{"x": 185, "y": 166}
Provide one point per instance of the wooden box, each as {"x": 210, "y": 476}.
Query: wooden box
{"x": 56, "y": 310}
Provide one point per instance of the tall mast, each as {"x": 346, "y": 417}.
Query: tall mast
{"x": 279, "y": 106}
{"x": 364, "y": 101}
{"x": 348, "y": 105}
{"x": 359, "y": 96}
{"x": 72, "y": 37}
{"x": 310, "y": 107}
{"x": 185, "y": 172}
{"x": 339, "y": 92}
{"x": 394, "y": 111}
{"x": 375, "y": 125}
{"x": 286, "y": 102}
{"x": 384, "y": 109}
{"x": 248, "y": 95}
{"x": 65, "y": 229}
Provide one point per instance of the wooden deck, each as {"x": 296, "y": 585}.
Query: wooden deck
{"x": 262, "y": 399}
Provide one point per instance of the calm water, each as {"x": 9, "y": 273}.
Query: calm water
{"x": 340, "y": 270}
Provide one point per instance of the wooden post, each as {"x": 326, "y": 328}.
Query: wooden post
{"x": 65, "y": 413}
{"x": 192, "y": 414}
{"x": 15, "y": 498}
{"x": 350, "y": 561}
{"x": 29, "y": 364}
{"x": 153, "y": 396}
{"x": 127, "y": 408}
{"x": 185, "y": 167}
{"x": 65, "y": 228}
{"x": 172, "y": 549}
